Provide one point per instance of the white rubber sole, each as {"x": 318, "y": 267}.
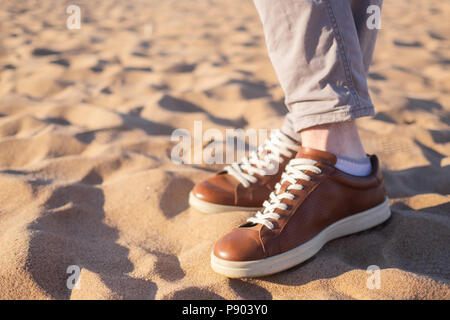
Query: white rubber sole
{"x": 257, "y": 268}
{"x": 208, "y": 207}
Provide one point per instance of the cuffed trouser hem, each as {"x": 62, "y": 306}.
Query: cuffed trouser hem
{"x": 288, "y": 129}
{"x": 294, "y": 123}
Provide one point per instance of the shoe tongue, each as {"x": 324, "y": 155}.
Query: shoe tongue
{"x": 318, "y": 155}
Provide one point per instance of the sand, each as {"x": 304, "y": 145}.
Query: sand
{"x": 86, "y": 177}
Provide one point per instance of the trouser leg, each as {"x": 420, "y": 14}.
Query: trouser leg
{"x": 320, "y": 51}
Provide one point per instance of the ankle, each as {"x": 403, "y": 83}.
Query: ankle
{"x": 338, "y": 138}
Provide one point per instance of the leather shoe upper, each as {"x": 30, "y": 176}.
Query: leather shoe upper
{"x": 326, "y": 197}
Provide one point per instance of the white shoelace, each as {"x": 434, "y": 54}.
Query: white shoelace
{"x": 293, "y": 172}
{"x": 265, "y": 160}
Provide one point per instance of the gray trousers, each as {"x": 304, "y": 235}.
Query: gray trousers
{"x": 321, "y": 51}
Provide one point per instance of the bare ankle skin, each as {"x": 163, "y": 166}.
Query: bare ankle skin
{"x": 339, "y": 138}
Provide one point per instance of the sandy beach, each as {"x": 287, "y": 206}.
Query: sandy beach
{"x": 87, "y": 180}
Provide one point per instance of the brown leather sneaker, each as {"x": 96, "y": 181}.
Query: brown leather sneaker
{"x": 313, "y": 204}
{"x": 246, "y": 185}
